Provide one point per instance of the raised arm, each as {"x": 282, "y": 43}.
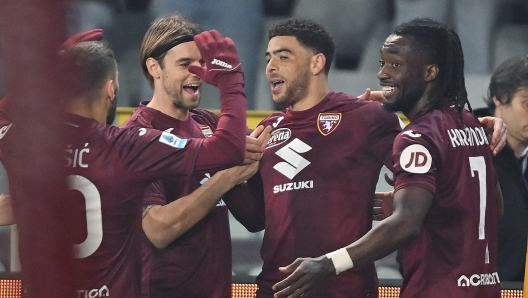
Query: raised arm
{"x": 223, "y": 70}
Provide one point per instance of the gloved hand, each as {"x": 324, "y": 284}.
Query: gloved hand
{"x": 222, "y": 65}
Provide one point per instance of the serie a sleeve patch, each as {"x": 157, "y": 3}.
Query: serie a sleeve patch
{"x": 172, "y": 140}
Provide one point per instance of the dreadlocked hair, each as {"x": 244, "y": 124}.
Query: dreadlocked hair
{"x": 439, "y": 44}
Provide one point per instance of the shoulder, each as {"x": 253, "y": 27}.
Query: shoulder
{"x": 204, "y": 116}
{"x": 140, "y": 117}
{"x": 274, "y": 119}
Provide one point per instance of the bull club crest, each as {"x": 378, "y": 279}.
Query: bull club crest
{"x": 328, "y": 122}
{"x": 207, "y": 131}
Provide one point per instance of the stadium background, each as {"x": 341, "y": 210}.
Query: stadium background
{"x": 509, "y": 38}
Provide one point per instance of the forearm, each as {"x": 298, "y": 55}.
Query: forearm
{"x": 165, "y": 223}
{"x": 385, "y": 238}
{"x": 226, "y": 147}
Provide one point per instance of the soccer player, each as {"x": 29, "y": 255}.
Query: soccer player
{"x": 321, "y": 165}
{"x": 187, "y": 244}
{"x": 109, "y": 168}
{"x": 446, "y": 197}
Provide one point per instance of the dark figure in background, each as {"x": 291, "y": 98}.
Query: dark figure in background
{"x": 508, "y": 100}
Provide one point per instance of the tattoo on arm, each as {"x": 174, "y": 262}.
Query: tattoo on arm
{"x": 146, "y": 210}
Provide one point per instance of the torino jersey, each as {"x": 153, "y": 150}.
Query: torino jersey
{"x": 198, "y": 263}
{"x": 455, "y": 253}
{"x": 108, "y": 170}
{"x": 319, "y": 174}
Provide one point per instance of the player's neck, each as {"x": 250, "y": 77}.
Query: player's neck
{"x": 88, "y": 109}
{"x": 317, "y": 91}
{"x": 167, "y": 107}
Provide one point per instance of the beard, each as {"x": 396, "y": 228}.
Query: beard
{"x": 296, "y": 92}
{"x": 178, "y": 98}
{"x": 111, "y": 113}
{"x": 404, "y": 105}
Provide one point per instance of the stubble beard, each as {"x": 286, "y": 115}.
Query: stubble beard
{"x": 296, "y": 92}
{"x": 178, "y": 98}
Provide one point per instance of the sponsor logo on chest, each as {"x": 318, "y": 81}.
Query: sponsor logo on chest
{"x": 278, "y": 137}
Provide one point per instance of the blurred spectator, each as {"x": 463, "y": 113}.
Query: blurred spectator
{"x": 474, "y": 20}
{"x": 241, "y": 20}
{"x": 350, "y": 36}
{"x": 508, "y": 100}
{"x": 124, "y": 23}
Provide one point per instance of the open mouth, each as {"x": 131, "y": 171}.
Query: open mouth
{"x": 276, "y": 84}
{"x": 388, "y": 90}
{"x": 192, "y": 88}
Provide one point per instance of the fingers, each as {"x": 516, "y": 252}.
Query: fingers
{"x": 265, "y": 136}
{"x": 256, "y": 144}
{"x": 498, "y": 135}
{"x": 501, "y": 143}
{"x": 365, "y": 95}
{"x": 255, "y": 133}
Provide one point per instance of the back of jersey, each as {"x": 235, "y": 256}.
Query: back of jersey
{"x": 455, "y": 253}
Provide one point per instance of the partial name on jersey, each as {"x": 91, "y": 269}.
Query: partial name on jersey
{"x": 172, "y": 140}
{"x": 469, "y": 136}
{"x": 328, "y": 122}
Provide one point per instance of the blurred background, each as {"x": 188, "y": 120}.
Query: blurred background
{"x": 490, "y": 30}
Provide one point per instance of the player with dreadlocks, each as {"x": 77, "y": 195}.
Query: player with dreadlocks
{"x": 446, "y": 196}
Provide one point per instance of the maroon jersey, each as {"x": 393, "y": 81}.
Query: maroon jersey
{"x": 198, "y": 263}
{"x": 319, "y": 174}
{"x": 108, "y": 169}
{"x": 455, "y": 253}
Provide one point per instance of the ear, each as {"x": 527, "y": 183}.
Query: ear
{"x": 153, "y": 67}
{"x": 431, "y": 72}
{"x": 110, "y": 90}
{"x": 318, "y": 62}
{"x": 497, "y": 102}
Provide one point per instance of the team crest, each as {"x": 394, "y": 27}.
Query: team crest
{"x": 328, "y": 122}
{"x": 207, "y": 131}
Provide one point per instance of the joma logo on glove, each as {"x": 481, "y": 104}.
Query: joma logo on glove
{"x": 221, "y": 63}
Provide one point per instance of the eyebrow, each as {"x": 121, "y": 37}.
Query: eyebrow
{"x": 277, "y": 52}
{"x": 184, "y": 59}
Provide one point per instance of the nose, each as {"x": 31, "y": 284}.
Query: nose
{"x": 271, "y": 66}
{"x": 382, "y": 74}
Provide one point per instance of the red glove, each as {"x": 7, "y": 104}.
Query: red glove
{"x": 222, "y": 65}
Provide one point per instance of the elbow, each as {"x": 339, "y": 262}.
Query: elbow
{"x": 157, "y": 241}
{"x": 157, "y": 233}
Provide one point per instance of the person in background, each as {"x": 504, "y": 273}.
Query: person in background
{"x": 508, "y": 100}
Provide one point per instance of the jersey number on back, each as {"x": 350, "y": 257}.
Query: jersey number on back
{"x": 94, "y": 218}
{"x": 478, "y": 164}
